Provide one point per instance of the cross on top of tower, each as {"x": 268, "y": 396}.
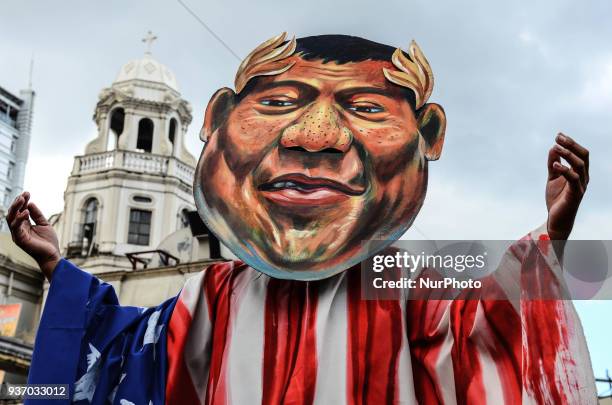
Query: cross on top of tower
{"x": 148, "y": 39}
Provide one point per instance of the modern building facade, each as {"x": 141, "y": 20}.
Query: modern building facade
{"x": 15, "y": 125}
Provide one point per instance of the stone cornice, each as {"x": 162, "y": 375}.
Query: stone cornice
{"x": 111, "y": 96}
{"x": 9, "y": 265}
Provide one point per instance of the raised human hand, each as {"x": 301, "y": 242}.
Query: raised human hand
{"x": 565, "y": 186}
{"x": 38, "y": 240}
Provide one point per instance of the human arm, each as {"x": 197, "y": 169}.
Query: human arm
{"x": 85, "y": 339}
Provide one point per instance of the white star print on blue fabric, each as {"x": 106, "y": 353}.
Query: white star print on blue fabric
{"x": 85, "y": 387}
{"x": 153, "y": 331}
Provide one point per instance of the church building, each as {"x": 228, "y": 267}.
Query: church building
{"x": 128, "y": 204}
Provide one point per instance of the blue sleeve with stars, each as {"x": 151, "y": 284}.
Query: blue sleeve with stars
{"x": 105, "y": 352}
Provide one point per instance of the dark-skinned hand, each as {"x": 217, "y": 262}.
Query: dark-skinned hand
{"x": 38, "y": 240}
{"x": 565, "y": 187}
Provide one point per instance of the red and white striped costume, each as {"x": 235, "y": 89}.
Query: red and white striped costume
{"x": 237, "y": 336}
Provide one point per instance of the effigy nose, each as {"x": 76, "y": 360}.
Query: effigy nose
{"x": 318, "y": 129}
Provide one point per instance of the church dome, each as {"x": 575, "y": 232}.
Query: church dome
{"x": 147, "y": 69}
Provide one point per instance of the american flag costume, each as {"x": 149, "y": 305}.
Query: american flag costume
{"x": 236, "y": 336}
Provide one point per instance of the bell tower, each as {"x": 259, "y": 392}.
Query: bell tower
{"x": 133, "y": 184}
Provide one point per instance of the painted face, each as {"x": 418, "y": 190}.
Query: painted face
{"x": 309, "y": 164}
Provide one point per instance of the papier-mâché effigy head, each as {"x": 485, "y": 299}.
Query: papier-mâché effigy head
{"x": 323, "y": 144}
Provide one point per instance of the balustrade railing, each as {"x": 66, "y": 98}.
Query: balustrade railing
{"x": 184, "y": 172}
{"x": 138, "y": 162}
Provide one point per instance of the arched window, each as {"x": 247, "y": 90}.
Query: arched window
{"x": 88, "y": 230}
{"x": 145, "y": 135}
{"x": 91, "y": 211}
{"x": 172, "y": 132}
{"x": 117, "y": 122}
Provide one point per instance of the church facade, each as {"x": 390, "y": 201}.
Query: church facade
{"x": 129, "y": 215}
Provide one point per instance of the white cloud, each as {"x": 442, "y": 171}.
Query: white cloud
{"x": 526, "y": 36}
{"x": 452, "y": 211}
{"x": 597, "y": 89}
{"x": 530, "y": 39}
{"x": 46, "y": 178}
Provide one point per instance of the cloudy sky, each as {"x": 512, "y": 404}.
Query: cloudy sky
{"x": 510, "y": 76}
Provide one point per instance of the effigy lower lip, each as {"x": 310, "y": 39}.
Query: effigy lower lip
{"x": 310, "y": 197}
{"x": 306, "y": 184}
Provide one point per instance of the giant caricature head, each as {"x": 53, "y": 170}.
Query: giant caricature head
{"x": 324, "y": 144}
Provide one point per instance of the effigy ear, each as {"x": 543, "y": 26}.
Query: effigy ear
{"x": 217, "y": 111}
{"x": 431, "y": 123}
